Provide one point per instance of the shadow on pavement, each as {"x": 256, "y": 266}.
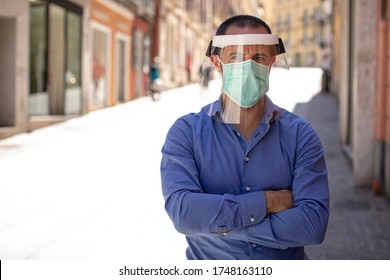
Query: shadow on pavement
{"x": 359, "y": 221}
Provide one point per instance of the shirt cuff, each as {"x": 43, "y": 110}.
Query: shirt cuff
{"x": 253, "y": 208}
{"x": 237, "y": 234}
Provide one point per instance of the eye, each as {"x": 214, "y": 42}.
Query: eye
{"x": 259, "y": 58}
{"x": 236, "y": 57}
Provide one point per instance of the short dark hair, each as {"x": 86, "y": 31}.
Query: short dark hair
{"x": 239, "y": 21}
{"x": 242, "y": 21}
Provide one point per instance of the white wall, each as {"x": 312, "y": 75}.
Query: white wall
{"x": 17, "y": 11}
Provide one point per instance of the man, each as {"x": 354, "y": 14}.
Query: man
{"x": 155, "y": 81}
{"x": 243, "y": 178}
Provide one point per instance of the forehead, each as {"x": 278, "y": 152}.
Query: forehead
{"x": 252, "y": 49}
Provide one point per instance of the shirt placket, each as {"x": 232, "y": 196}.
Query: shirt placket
{"x": 247, "y": 173}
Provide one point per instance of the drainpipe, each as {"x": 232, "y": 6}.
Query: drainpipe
{"x": 382, "y": 158}
{"x": 386, "y": 161}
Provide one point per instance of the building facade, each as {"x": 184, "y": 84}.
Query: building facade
{"x": 360, "y": 79}
{"x": 45, "y": 42}
{"x": 61, "y": 59}
{"x": 354, "y": 82}
{"x": 185, "y": 28}
{"x": 110, "y": 51}
{"x": 141, "y": 43}
{"x": 354, "y": 35}
{"x": 14, "y": 67}
{"x": 381, "y": 182}
{"x": 304, "y": 26}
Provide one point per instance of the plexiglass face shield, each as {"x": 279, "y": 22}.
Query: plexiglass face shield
{"x": 244, "y": 61}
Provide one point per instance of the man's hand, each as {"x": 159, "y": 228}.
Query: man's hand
{"x": 222, "y": 231}
{"x": 278, "y": 200}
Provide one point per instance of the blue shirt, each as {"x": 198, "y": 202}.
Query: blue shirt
{"x": 213, "y": 179}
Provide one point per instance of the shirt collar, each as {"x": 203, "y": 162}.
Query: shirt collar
{"x": 272, "y": 111}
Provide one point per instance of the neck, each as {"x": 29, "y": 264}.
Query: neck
{"x": 250, "y": 118}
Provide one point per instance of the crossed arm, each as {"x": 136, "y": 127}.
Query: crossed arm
{"x": 278, "y": 219}
{"x": 275, "y": 201}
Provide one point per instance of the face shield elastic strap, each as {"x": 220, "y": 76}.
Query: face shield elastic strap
{"x": 221, "y": 41}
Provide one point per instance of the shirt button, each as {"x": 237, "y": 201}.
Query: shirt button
{"x": 224, "y": 234}
{"x": 248, "y": 189}
{"x": 252, "y": 219}
{"x": 238, "y": 134}
{"x": 246, "y": 159}
{"x": 254, "y": 245}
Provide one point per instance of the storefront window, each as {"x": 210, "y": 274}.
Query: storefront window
{"x": 73, "y": 65}
{"x": 38, "y": 60}
{"x": 98, "y": 98}
{"x": 8, "y": 63}
{"x": 55, "y": 59}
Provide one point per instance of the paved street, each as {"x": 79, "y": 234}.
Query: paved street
{"x": 359, "y": 223}
{"x": 89, "y": 188}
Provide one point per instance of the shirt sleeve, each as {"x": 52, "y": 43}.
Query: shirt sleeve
{"x": 305, "y": 223}
{"x": 191, "y": 210}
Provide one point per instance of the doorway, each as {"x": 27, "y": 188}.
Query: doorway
{"x": 7, "y": 71}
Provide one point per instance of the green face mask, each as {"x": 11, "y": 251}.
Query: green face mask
{"x": 245, "y": 82}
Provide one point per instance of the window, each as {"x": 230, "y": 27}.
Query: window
{"x": 288, "y": 21}
{"x": 7, "y": 69}
{"x": 99, "y": 92}
{"x": 279, "y": 23}
{"x": 55, "y": 58}
{"x": 305, "y": 17}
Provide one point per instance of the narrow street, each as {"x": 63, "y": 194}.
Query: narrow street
{"x": 89, "y": 188}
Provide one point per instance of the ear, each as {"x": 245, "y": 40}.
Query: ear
{"x": 217, "y": 64}
{"x": 273, "y": 60}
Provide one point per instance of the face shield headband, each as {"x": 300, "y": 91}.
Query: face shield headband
{"x": 221, "y": 41}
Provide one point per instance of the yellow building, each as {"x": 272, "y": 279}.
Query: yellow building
{"x": 185, "y": 28}
{"x": 304, "y": 26}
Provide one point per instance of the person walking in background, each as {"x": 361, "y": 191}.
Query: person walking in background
{"x": 326, "y": 68}
{"x": 205, "y": 73}
{"x": 155, "y": 80}
{"x": 189, "y": 67}
{"x": 243, "y": 178}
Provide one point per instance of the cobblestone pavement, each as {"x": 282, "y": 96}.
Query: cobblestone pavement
{"x": 359, "y": 222}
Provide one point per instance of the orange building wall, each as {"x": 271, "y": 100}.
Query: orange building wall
{"x": 382, "y": 109}
{"x": 382, "y": 129}
{"x": 143, "y": 27}
{"x": 117, "y": 23}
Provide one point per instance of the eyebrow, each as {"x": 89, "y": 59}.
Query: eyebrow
{"x": 235, "y": 53}
{"x": 260, "y": 53}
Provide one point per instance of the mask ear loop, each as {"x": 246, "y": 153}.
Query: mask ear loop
{"x": 220, "y": 62}
{"x": 217, "y": 63}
